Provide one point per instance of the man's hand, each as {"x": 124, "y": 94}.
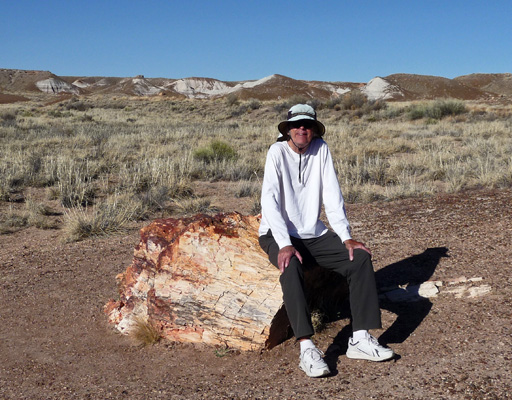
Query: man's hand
{"x": 285, "y": 255}
{"x": 351, "y": 244}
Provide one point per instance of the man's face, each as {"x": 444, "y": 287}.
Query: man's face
{"x": 301, "y": 133}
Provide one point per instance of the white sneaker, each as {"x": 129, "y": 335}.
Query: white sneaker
{"x": 312, "y": 363}
{"x": 368, "y": 349}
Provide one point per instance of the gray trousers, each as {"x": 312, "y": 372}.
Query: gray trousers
{"x": 328, "y": 252}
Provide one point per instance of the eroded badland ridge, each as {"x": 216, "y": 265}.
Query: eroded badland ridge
{"x": 17, "y": 85}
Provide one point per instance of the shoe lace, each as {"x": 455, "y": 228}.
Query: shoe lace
{"x": 374, "y": 341}
{"x": 315, "y": 354}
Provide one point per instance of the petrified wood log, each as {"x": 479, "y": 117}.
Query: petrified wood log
{"x": 205, "y": 279}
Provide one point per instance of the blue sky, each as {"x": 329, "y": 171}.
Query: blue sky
{"x": 230, "y": 40}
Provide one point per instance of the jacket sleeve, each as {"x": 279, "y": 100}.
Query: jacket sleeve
{"x": 271, "y": 200}
{"x": 333, "y": 198}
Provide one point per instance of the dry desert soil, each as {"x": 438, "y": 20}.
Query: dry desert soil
{"x": 55, "y": 342}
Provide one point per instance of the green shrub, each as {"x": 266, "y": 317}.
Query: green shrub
{"x": 436, "y": 110}
{"x": 216, "y": 151}
{"x": 353, "y": 100}
{"x": 333, "y": 102}
{"x": 451, "y": 107}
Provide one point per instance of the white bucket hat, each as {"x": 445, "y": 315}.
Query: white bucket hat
{"x": 300, "y": 112}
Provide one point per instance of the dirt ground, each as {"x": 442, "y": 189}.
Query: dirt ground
{"x": 55, "y": 342}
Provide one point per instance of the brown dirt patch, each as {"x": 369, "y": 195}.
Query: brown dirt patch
{"x": 55, "y": 342}
{"x": 11, "y": 98}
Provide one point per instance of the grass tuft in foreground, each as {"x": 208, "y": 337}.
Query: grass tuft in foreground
{"x": 145, "y": 333}
{"x": 106, "y": 219}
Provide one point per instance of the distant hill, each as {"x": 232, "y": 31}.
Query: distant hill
{"x": 19, "y": 84}
{"x": 493, "y": 83}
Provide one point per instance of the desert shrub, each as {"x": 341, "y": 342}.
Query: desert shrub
{"x": 333, "y": 102}
{"x": 281, "y": 107}
{"x": 353, "y": 100}
{"x": 315, "y": 103}
{"x": 8, "y": 119}
{"x": 373, "y": 105}
{"x": 416, "y": 112}
{"x": 451, "y": 107}
{"x": 232, "y": 100}
{"x": 78, "y": 105}
{"x": 57, "y": 114}
{"x": 297, "y": 99}
{"x": 217, "y": 150}
{"x": 254, "y": 104}
{"x": 436, "y": 110}
{"x": 241, "y": 110}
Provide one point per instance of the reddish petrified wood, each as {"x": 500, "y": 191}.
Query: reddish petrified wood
{"x": 205, "y": 279}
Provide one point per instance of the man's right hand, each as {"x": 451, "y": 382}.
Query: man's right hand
{"x": 285, "y": 255}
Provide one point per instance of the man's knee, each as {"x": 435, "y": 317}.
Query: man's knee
{"x": 361, "y": 255}
{"x": 292, "y": 272}
{"x": 362, "y": 260}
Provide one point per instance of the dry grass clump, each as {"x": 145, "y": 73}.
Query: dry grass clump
{"x": 225, "y": 350}
{"x": 112, "y": 161}
{"x": 38, "y": 214}
{"x": 102, "y": 220}
{"x": 12, "y": 221}
{"x": 145, "y": 332}
{"x": 195, "y": 206}
{"x": 31, "y": 213}
{"x": 248, "y": 188}
{"x": 318, "y": 319}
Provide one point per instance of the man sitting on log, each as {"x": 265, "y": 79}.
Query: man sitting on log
{"x": 299, "y": 178}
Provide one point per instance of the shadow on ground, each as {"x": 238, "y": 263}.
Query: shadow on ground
{"x": 410, "y": 271}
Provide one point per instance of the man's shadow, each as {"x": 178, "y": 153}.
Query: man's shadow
{"x": 408, "y": 273}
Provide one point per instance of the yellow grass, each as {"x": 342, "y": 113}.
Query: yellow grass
{"x": 145, "y": 151}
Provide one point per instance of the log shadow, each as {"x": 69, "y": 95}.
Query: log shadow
{"x": 408, "y": 273}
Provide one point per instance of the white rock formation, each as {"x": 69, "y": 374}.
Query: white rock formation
{"x": 55, "y": 85}
{"x": 380, "y": 89}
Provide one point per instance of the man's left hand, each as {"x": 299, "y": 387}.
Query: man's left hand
{"x": 352, "y": 244}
